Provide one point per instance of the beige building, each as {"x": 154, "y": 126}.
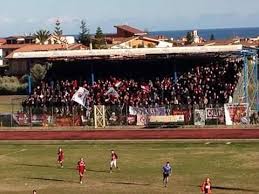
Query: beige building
{"x": 142, "y": 42}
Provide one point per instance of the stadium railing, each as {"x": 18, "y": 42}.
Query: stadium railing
{"x": 14, "y": 115}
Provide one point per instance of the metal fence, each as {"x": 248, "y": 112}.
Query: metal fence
{"x": 15, "y": 115}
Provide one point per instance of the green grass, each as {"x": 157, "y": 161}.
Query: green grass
{"x": 26, "y": 166}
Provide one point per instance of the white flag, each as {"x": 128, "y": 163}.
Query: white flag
{"x": 80, "y": 96}
{"x": 112, "y": 92}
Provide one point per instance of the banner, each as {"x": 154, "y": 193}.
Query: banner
{"x": 236, "y": 114}
{"x": 199, "y": 117}
{"x": 39, "y": 119}
{"x": 80, "y": 96}
{"x": 166, "y": 119}
{"x": 23, "y": 119}
{"x": 142, "y": 120}
{"x": 214, "y": 113}
{"x": 143, "y": 113}
{"x": 132, "y": 120}
{"x": 159, "y": 111}
{"x": 64, "y": 121}
{"x": 186, "y": 113}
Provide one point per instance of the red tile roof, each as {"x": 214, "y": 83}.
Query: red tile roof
{"x": 48, "y": 47}
{"x": 2, "y": 41}
{"x": 150, "y": 39}
{"x": 130, "y": 29}
{"x": 12, "y": 46}
{"x": 220, "y": 42}
{"x": 158, "y": 37}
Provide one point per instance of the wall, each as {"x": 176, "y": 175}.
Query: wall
{"x": 1, "y": 57}
{"x": 18, "y": 67}
{"x": 122, "y": 33}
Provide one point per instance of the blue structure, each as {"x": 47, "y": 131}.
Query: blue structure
{"x": 250, "y": 78}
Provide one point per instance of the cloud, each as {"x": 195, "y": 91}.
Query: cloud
{"x": 63, "y": 19}
{"x": 6, "y": 20}
{"x": 31, "y": 20}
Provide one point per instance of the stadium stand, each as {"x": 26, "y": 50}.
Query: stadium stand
{"x": 200, "y": 85}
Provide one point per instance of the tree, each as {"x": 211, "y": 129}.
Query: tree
{"x": 190, "y": 38}
{"x": 58, "y": 31}
{"x": 212, "y": 37}
{"x": 42, "y": 35}
{"x": 38, "y": 72}
{"x": 84, "y": 35}
{"x": 99, "y": 39}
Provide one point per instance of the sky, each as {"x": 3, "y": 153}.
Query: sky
{"x": 19, "y": 17}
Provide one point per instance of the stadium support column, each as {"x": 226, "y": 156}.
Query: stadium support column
{"x": 29, "y": 83}
{"x": 92, "y": 74}
{"x": 29, "y": 77}
{"x": 175, "y": 74}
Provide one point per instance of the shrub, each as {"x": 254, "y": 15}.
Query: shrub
{"x": 38, "y": 72}
{"x": 11, "y": 85}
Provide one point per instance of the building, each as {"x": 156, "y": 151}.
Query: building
{"x": 20, "y": 40}
{"x": 2, "y": 41}
{"x": 53, "y": 39}
{"x": 22, "y": 66}
{"x": 128, "y": 31}
{"x": 29, "y": 43}
{"x": 141, "y": 42}
{"x": 131, "y": 37}
{"x": 124, "y": 32}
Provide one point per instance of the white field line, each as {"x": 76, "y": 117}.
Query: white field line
{"x": 10, "y": 153}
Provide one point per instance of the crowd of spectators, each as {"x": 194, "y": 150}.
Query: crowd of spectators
{"x": 201, "y": 85}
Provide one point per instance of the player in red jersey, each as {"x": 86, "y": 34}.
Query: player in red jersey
{"x": 206, "y": 186}
{"x": 81, "y": 169}
{"x": 60, "y": 157}
{"x": 113, "y": 163}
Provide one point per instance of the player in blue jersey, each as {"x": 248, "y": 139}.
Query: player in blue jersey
{"x": 167, "y": 171}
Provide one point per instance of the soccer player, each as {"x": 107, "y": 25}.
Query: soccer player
{"x": 81, "y": 169}
{"x": 167, "y": 171}
{"x": 60, "y": 157}
{"x": 113, "y": 163}
{"x": 34, "y": 192}
{"x": 206, "y": 187}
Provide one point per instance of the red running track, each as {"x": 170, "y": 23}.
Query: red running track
{"x": 132, "y": 134}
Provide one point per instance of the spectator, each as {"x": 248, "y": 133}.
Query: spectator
{"x": 113, "y": 119}
{"x": 202, "y": 86}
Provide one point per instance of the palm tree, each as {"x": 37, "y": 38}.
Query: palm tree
{"x": 42, "y": 36}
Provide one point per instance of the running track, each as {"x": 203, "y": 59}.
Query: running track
{"x": 132, "y": 134}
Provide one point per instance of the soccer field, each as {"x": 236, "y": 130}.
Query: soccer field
{"x": 25, "y": 166}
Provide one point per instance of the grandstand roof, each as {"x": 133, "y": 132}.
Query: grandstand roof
{"x": 124, "y": 53}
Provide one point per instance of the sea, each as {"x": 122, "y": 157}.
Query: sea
{"x": 223, "y": 33}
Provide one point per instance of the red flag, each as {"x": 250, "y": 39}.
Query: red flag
{"x": 145, "y": 88}
{"x": 118, "y": 84}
